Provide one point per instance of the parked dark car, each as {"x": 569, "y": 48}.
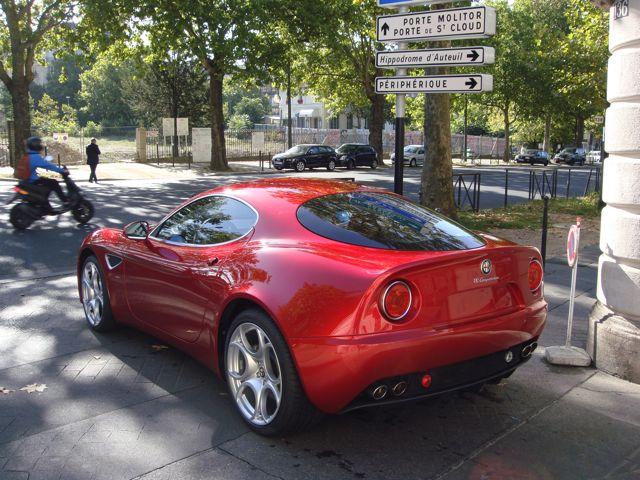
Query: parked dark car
{"x": 571, "y": 156}
{"x": 353, "y": 155}
{"x": 532, "y": 157}
{"x": 306, "y": 156}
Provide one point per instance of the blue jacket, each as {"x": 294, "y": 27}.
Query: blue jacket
{"x": 36, "y": 161}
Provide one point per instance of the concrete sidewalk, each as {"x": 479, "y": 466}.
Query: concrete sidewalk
{"x": 116, "y": 408}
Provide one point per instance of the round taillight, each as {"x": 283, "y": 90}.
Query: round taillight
{"x": 396, "y": 300}
{"x": 535, "y": 275}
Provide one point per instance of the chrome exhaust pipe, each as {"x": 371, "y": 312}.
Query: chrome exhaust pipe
{"x": 399, "y": 388}
{"x": 526, "y": 351}
{"x": 533, "y": 346}
{"x": 379, "y": 392}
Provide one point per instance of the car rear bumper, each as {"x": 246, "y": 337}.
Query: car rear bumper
{"x": 337, "y": 371}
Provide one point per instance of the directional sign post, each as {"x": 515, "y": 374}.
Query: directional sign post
{"x": 436, "y": 57}
{"x": 450, "y": 24}
{"x": 435, "y": 84}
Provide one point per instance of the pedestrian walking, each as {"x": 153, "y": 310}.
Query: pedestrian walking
{"x": 93, "y": 158}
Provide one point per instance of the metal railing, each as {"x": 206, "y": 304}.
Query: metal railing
{"x": 466, "y": 190}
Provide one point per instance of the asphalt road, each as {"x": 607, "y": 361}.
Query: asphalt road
{"x": 50, "y": 245}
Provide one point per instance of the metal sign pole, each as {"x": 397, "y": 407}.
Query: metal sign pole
{"x": 398, "y": 178}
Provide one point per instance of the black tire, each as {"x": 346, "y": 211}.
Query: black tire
{"x": 19, "y": 217}
{"x": 331, "y": 166}
{"x": 546, "y": 164}
{"x": 351, "y": 165}
{"x": 278, "y": 168}
{"x": 413, "y": 162}
{"x": 374, "y": 164}
{"x": 105, "y": 321}
{"x": 299, "y": 166}
{"x": 83, "y": 211}
{"x": 295, "y": 412}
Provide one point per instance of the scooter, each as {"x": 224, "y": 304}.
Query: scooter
{"x": 34, "y": 204}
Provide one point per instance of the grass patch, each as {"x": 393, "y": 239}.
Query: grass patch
{"x": 529, "y": 215}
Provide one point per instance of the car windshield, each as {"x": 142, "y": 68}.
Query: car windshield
{"x": 297, "y": 149}
{"x": 568, "y": 150}
{"x": 381, "y": 220}
{"x": 410, "y": 149}
{"x": 346, "y": 148}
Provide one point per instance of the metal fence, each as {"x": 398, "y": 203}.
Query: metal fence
{"x": 161, "y": 149}
{"x": 466, "y": 191}
{"x": 5, "y": 157}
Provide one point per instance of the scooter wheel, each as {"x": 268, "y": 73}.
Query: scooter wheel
{"x": 19, "y": 217}
{"x": 83, "y": 211}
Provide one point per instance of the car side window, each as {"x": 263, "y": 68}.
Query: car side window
{"x": 421, "y": 151}
{"x": 363, "y": 149}
{"x": 327, "y": 150}
{"x": 314, "y": 150}
{"x": 209, "y": 221}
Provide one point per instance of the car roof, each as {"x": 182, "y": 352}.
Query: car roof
{"x": 271, "y": 194}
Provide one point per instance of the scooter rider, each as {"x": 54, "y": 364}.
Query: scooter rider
{"x": 34, "y": 155}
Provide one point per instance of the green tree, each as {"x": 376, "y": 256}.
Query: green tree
{"x": 167, "y": 86}
{"x": 102, "y": 92}
{"x": 27, "y": 27}
{"x": 338, "y": 59}
{"x": 50, "y": 117}
{"x": 254, "y": 108}
{"x": 63, "y": 79}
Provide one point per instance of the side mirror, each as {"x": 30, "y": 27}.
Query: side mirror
{"x": 137, "y": 230}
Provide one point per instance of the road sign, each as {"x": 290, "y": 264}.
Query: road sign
{"x": 408, "y": 3}
{"x": 435, "y": 84}
{"x": 434, "y": 57}
{"x": 573, "y": 242}
{"x": 451, "y": 24}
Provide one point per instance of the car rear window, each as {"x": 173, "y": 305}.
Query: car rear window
{"x": 385, "y": 221}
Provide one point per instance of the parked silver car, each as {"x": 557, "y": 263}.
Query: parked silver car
{"x": 413, "y": 155}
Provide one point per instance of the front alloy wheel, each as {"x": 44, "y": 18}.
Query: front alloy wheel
{"x": 254, "y": 374}
{"x": 331, "y": 165}
{"x": 95, "y": 298}
{"x": 299, "y": 166}
{"x": 413, "y": 163}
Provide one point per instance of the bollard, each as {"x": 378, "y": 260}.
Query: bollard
{"x": 261, "y": 160}
{"x": 568, "y": 183}
{"x": 269, "y": 157}
{"x": 58, "y": 159}
{"x": 545, "y": 218}
{"x": 506, "y": 187}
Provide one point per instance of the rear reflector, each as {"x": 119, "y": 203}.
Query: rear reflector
{"x": 396, "y": 300}
{"x": 535, "y": 275}
{"x": 426, "y": 380}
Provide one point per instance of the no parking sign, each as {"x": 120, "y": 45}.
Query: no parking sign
{"x": 573, "y": 241}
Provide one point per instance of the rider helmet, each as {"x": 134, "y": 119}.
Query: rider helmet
{"x": 34, "y": 144}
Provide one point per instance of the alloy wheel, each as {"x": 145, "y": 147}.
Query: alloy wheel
{"x": 254, "y": 374}
{"x": 92, "y": 293}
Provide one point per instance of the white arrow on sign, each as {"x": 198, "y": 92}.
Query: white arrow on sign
{"x": 434, "y": 57}
{"x": 453, "y": 23}
{"x": 435, "y": 84}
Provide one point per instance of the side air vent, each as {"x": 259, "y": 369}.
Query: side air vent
{"x": 112, "y": 260}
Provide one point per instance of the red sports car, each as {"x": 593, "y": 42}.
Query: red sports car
{"x": 313, "y": 296}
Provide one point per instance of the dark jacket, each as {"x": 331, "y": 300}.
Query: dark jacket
{"x": 92, "y": 154}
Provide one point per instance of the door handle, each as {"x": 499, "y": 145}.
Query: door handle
{"x": 213, "y": 261}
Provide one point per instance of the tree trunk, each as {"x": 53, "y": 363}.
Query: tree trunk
{"x": 377, "y": 124}
{"x": 21, "y": 115}
{"x": 506, "y": 155}
{"x": 218, "y": 149}
{"x": 579, "y": 131}
{"x": 437, "y": 174}
{"x": 547, "y": 134}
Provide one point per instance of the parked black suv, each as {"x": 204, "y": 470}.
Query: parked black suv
{"x": 306, "y": 156}
{"x": 571, "y": 156}
{"x": 353, "y": 155}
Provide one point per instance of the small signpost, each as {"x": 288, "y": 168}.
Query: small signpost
{"x": 435, "y": 84}
{"x": 568, "y": 354}
{"x": 436, "y": 57}
{"x": 453, "y": 23}
{"x": 430, "y": 25}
